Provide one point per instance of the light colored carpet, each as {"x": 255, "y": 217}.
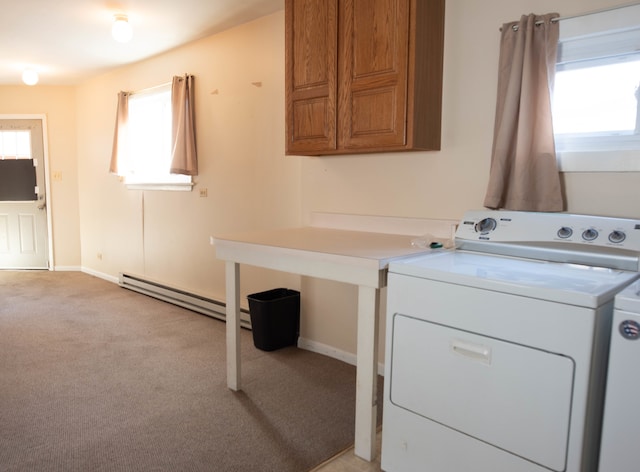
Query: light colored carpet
{"x": 94, "y": 377}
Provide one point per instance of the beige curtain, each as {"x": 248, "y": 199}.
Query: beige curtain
{"x": 183, "y": 158}
{"x": 524, "y": 174}
{"x": 120, "y": 134}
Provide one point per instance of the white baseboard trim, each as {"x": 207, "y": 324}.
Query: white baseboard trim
{"x": 332, "y": 352}
{"x": 100, "y": 275}
{"x": 67, "y": 269}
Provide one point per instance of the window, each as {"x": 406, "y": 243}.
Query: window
{"x": 596, "y": 92}
{"x": 15, "y": 144}
{"x": 18, "y": 180}
{"x": 149, "y": 152}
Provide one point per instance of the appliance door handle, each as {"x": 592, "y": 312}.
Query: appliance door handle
{"x": 474, "y": 351}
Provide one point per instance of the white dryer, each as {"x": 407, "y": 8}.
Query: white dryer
{"x": 621, "y": 425}
{"x": 496, "y": 351}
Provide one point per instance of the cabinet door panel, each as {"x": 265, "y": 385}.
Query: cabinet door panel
{"x": 309, "y": 119}
{"x": 370, "y": 112}
{"x": 373, "y": 51}
{"x": 311, "y": 62}
{"x": 373, "y": 66}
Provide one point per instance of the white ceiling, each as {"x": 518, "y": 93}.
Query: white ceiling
{"x": 67, "y": 41}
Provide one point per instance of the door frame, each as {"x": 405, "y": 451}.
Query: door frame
{"x": 47, "y": 180}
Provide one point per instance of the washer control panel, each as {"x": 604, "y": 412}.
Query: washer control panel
{"x": 533, "y": 227}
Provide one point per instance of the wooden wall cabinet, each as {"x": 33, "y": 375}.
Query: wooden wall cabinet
{"x": 363, "y": 75}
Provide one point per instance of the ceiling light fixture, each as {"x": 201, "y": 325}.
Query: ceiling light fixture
{"x": 30, "y": 77}
{"x": 121, "y": 29}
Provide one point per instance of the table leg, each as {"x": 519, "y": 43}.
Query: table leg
{"x": 233, "y": 324}
{"x": 367, "y": 371}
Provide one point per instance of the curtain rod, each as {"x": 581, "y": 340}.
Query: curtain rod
{"x": 594, "y": 12}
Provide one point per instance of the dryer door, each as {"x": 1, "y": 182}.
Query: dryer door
{"x": 507, "y": 395}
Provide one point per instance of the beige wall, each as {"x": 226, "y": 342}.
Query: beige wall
{"x": 240, "y": 137}
{"x": 443, "y": 184}
{"x": 58, "y": 104}
{"x": 251, "y": 184}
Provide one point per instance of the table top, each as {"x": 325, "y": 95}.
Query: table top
{"x": 317, "y": 251}
{"x": 378, "y": 247}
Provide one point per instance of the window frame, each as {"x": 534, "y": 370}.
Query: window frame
{"x": 174, "y": 182}
{"x": 581, "y": 42}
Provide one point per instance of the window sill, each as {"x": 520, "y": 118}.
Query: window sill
{"x": 599, "y": 161}
{"x": 171, "y": 186}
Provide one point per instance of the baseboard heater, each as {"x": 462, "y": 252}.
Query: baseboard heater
{"x": 190, "y": 301}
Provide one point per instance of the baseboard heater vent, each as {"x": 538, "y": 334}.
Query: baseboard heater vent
{"x": 190, "y": 301}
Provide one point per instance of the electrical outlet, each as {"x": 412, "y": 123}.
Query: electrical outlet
{"x": 99, "y": 256}
{"x": 57, "y": 175}
{"x": 204, "y": 192}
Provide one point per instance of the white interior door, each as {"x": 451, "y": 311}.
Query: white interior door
{"x": 23, "y": 212}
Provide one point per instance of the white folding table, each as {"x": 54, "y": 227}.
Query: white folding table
{"x": 356, "y": 257}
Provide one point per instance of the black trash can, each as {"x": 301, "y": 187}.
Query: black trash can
{"x": 275, "y": 318}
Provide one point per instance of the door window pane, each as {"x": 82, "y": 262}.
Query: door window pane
{"x": 15, "y": 144}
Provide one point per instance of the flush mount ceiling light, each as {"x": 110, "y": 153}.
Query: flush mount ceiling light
{"x": 121, "y": 29}
{"x": 30, "y": 77}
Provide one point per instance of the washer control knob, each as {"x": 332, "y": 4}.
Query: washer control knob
{"x": 589, "y": 234}
{"x": 565, "y": 232}
{"x": 485, "y": 225}
{"x": 617, "y": 236}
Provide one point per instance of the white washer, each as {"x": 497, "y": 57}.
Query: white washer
{"x": 496, "y": 351}
{"x": 621, "y": 425}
